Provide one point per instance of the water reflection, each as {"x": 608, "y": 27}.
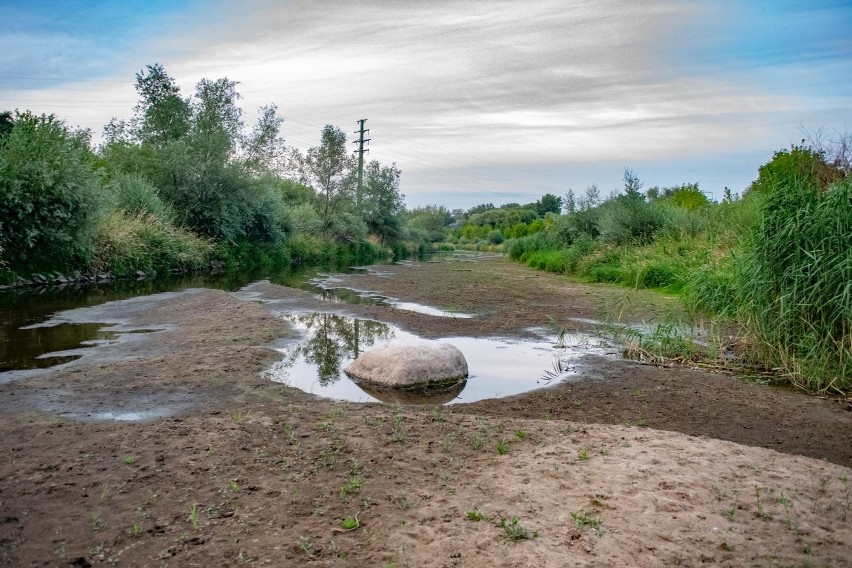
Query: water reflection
{"x": 431, "y": 395}
{"x": 331, "y": 342}
{"x": 498, "y": 366}
{"x": 41, "y": 347}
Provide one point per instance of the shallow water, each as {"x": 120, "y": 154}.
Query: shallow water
{"x": 498, "y": 366}
{"x": 329, "y": 287}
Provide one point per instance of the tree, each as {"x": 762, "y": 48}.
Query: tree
{"x": 47, "y": 193}
{"x": 432, "y": 219}
{"x": 548, "y": 203}
{"x": 382, "y": 205}
{"x": 263, "y": 148}
{"x": 7, "y": 122}
{"x": 591, "y": 199}
{"x": 480, "y": 209}
{"x": 570, "y": 202}
{"x": 216, "y": 115}
{"x": 329, "y": 168}
{"x": 632, "y": 185}
{"x": 161, "y": 114}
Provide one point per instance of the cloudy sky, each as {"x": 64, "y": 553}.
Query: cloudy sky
{"x": 476, "y": 101}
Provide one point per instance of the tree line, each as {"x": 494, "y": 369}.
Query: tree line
{"x": 184, "y": 181}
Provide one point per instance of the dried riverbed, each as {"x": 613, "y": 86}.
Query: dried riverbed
{"x": 172, "y": 448}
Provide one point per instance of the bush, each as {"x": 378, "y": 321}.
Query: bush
{"x": 629, "y": 218}
{"x": 125, "y": 244}
{"x": 47, "y": 194}
{"x": 656, "y": 274}
{"x": 795, "y": 279}
{"x": 309, "y": 250}
{"x": 605, "y": 273}
{"x": 133, "y": 195}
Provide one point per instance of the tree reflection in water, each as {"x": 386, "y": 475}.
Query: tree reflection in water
{"x": 330, "y": 340}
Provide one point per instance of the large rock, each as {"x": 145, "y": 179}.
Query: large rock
{"x": 403, "y": 366}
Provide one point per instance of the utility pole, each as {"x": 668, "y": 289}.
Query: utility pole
{"x": 360, "y": 151}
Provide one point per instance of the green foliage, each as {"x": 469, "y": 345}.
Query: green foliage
{"x": 795, "y": 279}
{"x": 48, "y": 194}
{"x": 183, "y": 182}
{"x": 515, "y": 530}
{"x": 330, "y": 169}
{"x": 431, "y": 220}
{"x": 124, "y": 244}
{"x": 133, "y": 195}
{"x": 382, "y": 205}
{"x": 776, "y": 261}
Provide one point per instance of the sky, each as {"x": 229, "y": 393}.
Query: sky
{"x": 475, "y": 101}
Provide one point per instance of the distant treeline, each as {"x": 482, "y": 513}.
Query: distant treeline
{"x": 184, "y": 182}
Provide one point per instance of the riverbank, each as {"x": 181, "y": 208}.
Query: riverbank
{"x": 624, "y": 464}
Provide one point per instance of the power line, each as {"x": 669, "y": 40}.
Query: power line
{"x": 360, "y": 151}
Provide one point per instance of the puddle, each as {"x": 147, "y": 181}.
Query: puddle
{"x": 498, "y": 367}
{"x": 40, "y": 346}
{"x": 328, "y": 287}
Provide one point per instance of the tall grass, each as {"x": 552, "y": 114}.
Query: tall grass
{"x": 777, "y": 264}
{"x": 796, "y": 283}
{"x": 125, "y": 243}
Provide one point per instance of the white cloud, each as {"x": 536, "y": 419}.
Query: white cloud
{"x": 450, "y": 87}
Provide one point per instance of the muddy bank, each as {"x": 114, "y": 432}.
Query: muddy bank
{"x": 625, "y": 464}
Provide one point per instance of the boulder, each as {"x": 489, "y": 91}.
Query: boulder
{"x": 405, "y": 366}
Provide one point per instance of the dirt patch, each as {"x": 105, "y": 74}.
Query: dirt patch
{"x": 626, "y": 465}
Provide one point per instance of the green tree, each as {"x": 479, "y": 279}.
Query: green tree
{"x": 161, "y": 114}
{"x": 382, "y": 206}
{"x": 432, "y": 219}
{"x": 548, "y": 203}
{"x": 263, "y": 148}
{"x": 329, "y": 170}
{"x": 48, "y": 193}
{"x": 7, "y": 121}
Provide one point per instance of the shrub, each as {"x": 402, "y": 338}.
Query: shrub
{"x": 795, "y": 279}
{"x": 47, "y": 194}
{"x": 133, "y": 195}
{"x": 495, "y": 237}
{"x": 144, "y": 242}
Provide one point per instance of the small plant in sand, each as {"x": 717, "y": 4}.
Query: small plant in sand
{"x": 404, "y": 502}
{"x": 438, "y": 414}
{"x": 135, "y": 530}
{"x": 502, "y": 447}
{"x": 400, "y": 433}
{"x": 760, "y": 513}
{"x": 305, "y": 545}
{"x": 97, "y": 523}
{"x": 194, "y": 513}
{"x": 584, "y": 455}
{"x": 240, "y": 415}
{"x": 515, "y": 530}
{"x": 520, "y": 434}
{"x": 586, "y": 520}
{"x": 339, "y": 552}
{"x": 350, "y": 523}
{"x": 353, "y": 485}
{"x": 129, "y": 460}
{"x": 476, "y": 515}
